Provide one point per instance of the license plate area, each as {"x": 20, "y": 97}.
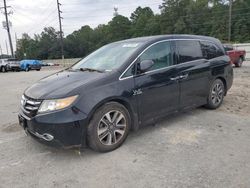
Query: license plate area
{"x": 22, "y": 122}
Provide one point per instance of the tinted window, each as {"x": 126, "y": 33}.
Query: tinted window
{"x": 188, "y": 50}
{"x": 210, "y": 50}
{"x": 159, "y": 53}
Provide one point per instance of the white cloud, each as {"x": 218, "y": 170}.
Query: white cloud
{"x": 31, "y": 16}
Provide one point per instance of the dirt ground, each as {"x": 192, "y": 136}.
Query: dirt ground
{"x": 238, "y": 98}
{"x": 199, "y": 148}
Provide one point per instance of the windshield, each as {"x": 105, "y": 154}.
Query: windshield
{"x": 109, "y": 57}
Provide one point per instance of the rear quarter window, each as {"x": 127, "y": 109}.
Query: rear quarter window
{"x": 210, "y": 50}
{"x": 188, "y": 50}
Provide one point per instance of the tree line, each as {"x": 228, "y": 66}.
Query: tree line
{"x": 201, "y": 17}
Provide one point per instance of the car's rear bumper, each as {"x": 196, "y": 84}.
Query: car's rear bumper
{"x": 15, "y": 68}
{"x": 49, "y": 130}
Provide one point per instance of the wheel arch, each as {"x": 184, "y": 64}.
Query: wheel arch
{"x": 125, "y": 103}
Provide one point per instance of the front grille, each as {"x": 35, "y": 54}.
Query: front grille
{"x": 30, "y": 106}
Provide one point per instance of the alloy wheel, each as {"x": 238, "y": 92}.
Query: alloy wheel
{"x": 217, "y": 93}
{"x": 111, "y": 127}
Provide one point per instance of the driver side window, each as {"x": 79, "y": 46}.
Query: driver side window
{"x": 160, "y": 54}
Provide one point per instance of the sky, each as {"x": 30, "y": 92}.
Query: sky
{"x": 31, "y": 16}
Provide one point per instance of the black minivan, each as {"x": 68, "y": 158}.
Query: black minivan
{"x": 125, "y": 85}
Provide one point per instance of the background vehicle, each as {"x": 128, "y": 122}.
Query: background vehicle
{"x": 13, "y": 64}
{"x": 44, "y": 64}
{"x": 237, "y": 56}
{"x": 123, "y": 86}
{"x": 3, "y": 65}
{"x": 28, "y": 65}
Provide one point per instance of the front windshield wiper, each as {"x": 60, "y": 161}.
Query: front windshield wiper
{"x": 85, "y": 69}
{"x": 90, "y": 70}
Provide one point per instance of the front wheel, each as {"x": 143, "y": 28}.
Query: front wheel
{"x": 216, "y": 94}
{"x": 109, "y": 127}
{"x": 3, "y": 69}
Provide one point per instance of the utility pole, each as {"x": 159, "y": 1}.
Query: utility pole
{"x": 230, "y": 20}
{"x": 60, "y": 25}
{"x": 16, "y": 43}
{"x": 7, "y": 49}
{"x": 1, "y": 51}
{"x": 7, "y": 27}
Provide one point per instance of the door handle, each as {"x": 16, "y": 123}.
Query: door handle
{"x": 175, "y": 78}
{"x": 185, "y": 76}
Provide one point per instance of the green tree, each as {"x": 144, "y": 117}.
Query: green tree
{"x": 119, "y": 28}
{"x": 142, "y": 22}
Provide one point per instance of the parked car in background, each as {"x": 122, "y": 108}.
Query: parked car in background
{"x": 123, "y": 86}
{"x": 3, "y": 65}
{"x": 51, "y": 64}
{"x": 13, "y": 65}
{"x": 44, "y": 64}
{"x": 237, "y": 56}
{"x": 28, "y": 65}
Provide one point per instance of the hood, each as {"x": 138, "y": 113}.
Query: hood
{"x": 59, "y": 85}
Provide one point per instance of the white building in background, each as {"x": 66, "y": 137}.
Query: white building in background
{"x": 244, "y": 46}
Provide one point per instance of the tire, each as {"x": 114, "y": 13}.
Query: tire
{"x": 27, "y": 69}
{"x": 3, "y": 69}
{"x": 38, "y": 69}
{"x": 109, "y": 127}
{"x": 216, "y": 94}
{"x": 239, "y": 63}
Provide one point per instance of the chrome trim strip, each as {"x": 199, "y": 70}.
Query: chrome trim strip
{"x": 31, "y": 108}
{"x": 27, "y": 112}
{"x": 33, "y": 102}
{"x": 120, "y": 77}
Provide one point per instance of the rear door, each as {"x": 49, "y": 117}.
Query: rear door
{"x": 193, "y": 71}
{"x": 157, "y": 90}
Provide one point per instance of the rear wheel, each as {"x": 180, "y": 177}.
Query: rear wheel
{"x": 216, "y": 94}
{"x": 239, "y": 63}
{"x": 109, "y": 127}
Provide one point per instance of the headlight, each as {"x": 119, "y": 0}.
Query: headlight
{"x": 56, "y": 104}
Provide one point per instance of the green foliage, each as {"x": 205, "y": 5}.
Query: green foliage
{"x": 200, "y": 17}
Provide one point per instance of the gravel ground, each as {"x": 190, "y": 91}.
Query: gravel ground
{"x": 200, "y": 148}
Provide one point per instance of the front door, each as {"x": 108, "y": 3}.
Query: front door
{"x": 157, "y": 90}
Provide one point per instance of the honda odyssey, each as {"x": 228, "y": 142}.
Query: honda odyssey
{"x": 123, "y": 86}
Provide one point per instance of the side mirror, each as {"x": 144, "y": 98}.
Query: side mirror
{"x": 145, "y": 65}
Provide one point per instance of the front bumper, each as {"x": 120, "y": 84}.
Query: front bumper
{"x": 64, "y": 128}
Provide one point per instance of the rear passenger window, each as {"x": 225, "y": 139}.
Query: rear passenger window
{"x": 210, "y": 50}
{"x": 188, "y": 50}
